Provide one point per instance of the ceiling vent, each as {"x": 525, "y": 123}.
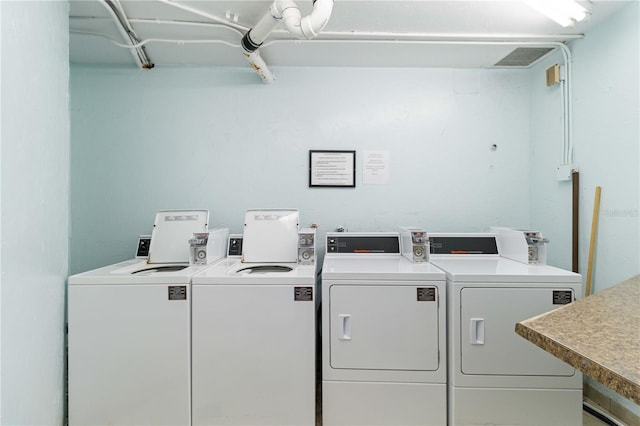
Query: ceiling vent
{"x": 523, "y": 56}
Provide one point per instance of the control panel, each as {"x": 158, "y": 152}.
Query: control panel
{"x": 363, "y": 243}
{"x": 235, "y": 245}
{"x": 142, "y": 251}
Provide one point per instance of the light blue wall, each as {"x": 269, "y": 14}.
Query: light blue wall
{"x": 606, "y": 128}
{"x": 222, "y": 140}
{"x": 606, "y": 131}
{"x": 35, "y": 210}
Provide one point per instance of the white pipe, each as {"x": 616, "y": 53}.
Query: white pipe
{"x": 204, "y": 14}
{"x": 369, "y": 35}
{"x": 287, "y": 11}
{"x": 260, "y": 66}
{"x": 310, "y": 26}
{"x": 451, "y": 37}
{"x": 124, "y": 34}
{"x": 132, "y": 35}
{"x": 185, "y": 23}
{"x": 265, "y": 26}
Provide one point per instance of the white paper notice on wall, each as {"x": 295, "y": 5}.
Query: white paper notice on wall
{"x": 375, "y": 169}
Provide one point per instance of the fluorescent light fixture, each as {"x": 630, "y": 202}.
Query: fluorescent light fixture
{"x": 565, "y": 12}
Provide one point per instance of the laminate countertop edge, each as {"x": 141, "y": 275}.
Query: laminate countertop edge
{"x": 598, "y": 335}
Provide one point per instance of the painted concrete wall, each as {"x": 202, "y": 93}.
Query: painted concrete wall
{"x": 35, "y": 210}
{"x": 606, "y": 105}
{"x": 219, "y": 139}
{"x": 606, "y": 132}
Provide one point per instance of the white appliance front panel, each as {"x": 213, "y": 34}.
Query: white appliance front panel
{"x": 129, "y": 355}
{"x": 388, "y": 404}
{"x": 253, "y": 355}
{"x": 384, "y": 327}
{"x": 514, "y": 406}
{"x": 488, "y": 342}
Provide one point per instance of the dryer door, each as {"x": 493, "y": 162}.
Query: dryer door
{"x": 488, "y": 341}
{"x": 384, "y": 327}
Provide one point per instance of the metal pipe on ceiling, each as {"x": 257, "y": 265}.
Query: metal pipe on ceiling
{"x": 124, "y": 27}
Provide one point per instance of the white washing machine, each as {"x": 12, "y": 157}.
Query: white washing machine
{"x": 129, "y": 332}
{"x": 383, "y": 334}
{"x": 495, "y": 376}
{"x": 253, "y": 330}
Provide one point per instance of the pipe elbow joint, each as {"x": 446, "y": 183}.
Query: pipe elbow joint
{"x": 309, "y": 29}
{"x": 310, "y": 26}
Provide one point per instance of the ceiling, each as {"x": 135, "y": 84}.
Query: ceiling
{"x": 373, "y": 33}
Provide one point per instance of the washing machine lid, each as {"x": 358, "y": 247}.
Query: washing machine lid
{"x": 379, "y": 268}
{"x": 172, "y": 230}
{"x": 501, "y": 270}
{"x": 270, "y": 236}
{"x": 138, "y": 271}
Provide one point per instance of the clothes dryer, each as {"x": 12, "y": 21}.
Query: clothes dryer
{"x": 383, "y": 334}
{"x": 129, "y": 332}
{"x": 495, "y": 376}
{"x": 253, "y": 330}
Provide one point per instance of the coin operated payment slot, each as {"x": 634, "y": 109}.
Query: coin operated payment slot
{"x": 198, "y": 248}
{"x": 415, "y": 244}
{"x": 522, "y": 245}
{"x": 307, "y": 246}
{"x": 206, "y": 247}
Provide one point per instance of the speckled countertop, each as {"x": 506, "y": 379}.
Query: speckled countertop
{"x": 599, "y": 335}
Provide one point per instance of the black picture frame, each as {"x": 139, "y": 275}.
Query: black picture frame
{"x": 332, "y": 168}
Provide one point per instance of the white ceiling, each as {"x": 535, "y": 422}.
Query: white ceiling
{"x": 375, "y": 33}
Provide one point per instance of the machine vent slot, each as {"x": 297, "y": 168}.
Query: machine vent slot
{"x": 523, "y": 56}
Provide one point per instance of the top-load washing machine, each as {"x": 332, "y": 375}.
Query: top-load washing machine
{"x": 253, "y": 328}
{"x": 129, "y": 330}
{"x": 383, "y": 332}
{"x": 495, "y": 376}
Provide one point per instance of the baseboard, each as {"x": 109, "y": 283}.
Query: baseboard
{"x": 612, "y": 407}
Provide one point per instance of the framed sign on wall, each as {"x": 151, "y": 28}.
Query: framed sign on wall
{"x": 332, "y": 169}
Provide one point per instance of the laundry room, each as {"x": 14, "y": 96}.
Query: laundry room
{"x": 95, "y": 142}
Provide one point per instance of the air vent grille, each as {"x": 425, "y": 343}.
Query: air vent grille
{"x": 523, "y": 56}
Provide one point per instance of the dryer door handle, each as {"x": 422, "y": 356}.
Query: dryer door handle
{"x": 476, "y": 331}
{"x": 345, "y": 324}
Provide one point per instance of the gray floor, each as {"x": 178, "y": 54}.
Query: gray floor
{"x": 589, "y": 420}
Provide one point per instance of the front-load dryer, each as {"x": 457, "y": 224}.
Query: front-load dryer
{"x": 253, "y": 330}
{"x": 129, "y": 332}
{"x": 495, "y": 376}
{"x": 383, "y": 334}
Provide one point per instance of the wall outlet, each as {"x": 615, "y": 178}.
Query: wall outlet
{"x": 564, "y": 172}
